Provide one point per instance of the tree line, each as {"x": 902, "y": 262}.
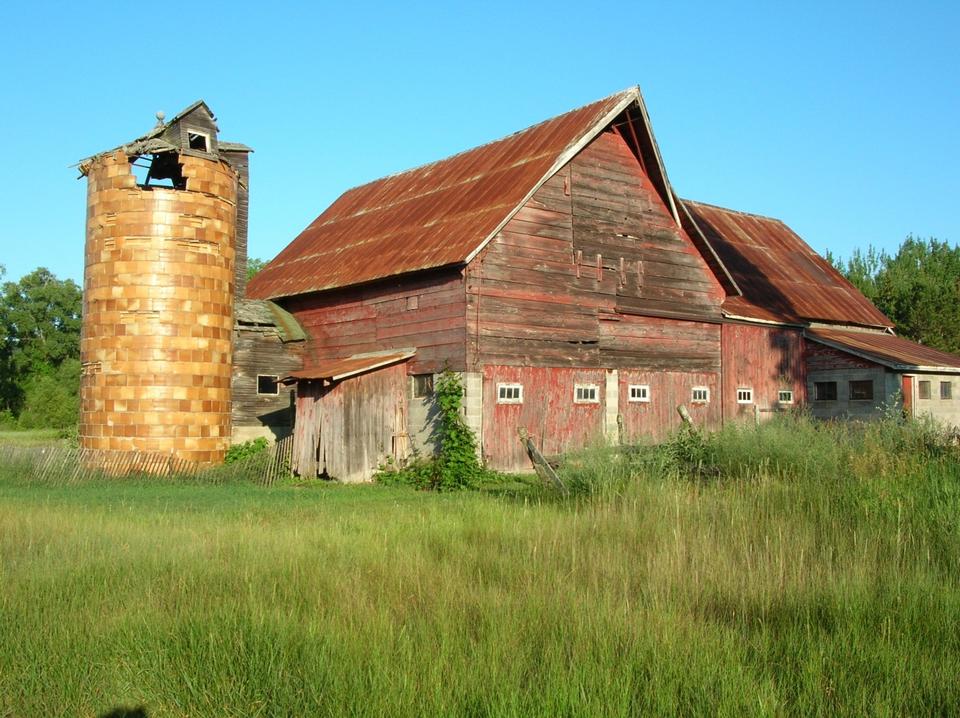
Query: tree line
{"x": 918, "y": 287}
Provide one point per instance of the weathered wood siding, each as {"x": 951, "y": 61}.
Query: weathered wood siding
{"x": 240, "y": 161}
{"x": 425, "y": 312}
{"x": 595, "y": 243}
{"x": 593, "y": 273}
{"x": 346, "y": 430}
{"x": 656, "y": 419}
{"x": 258, "y": 350}
{"x": 765, "y": 359}
{"x": 820, "y": 357}
{"x": 548, "y": 412}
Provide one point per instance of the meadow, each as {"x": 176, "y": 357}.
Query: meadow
{"x": 798, "y": 569}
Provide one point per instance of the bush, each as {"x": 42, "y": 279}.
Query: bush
{"x": 246, "y": 450}
{"x": 52, "y": 401}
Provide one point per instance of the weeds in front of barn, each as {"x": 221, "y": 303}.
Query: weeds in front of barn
{"x": 799, "y": 568}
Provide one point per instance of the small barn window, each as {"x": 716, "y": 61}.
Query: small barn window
{"x": 268, "y": 385}
{"x": 639, "y": 392}
{"x": 785, "y": 396}
{"x": 700, "y": 395}
{"x": 744, "y": 395}
{"x": 586, "y": 394}
{"x": 946, "y": 390}
{"x": 923, "y": 389}
{"x": 422, "y": 386}
{"x": 199, "y": 141}
{"x": 509, "y": 393}
{"x": 825, "y": 391}
{"x": 861, "y": 390}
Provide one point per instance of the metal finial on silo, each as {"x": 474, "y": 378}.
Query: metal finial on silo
{"x": 160, "y": 118}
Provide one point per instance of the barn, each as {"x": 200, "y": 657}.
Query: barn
{"x": 579, "y": 297}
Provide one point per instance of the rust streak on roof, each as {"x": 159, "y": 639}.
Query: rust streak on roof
{"x": 780, "y": 277}
{"x": 887, "y": 349}
{"x": 432, "y": 216}
{"x": 337, "y": 369}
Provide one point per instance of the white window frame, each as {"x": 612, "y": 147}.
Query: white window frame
{"x": 642, "y": 389}
{"x": 206, "y": 140}
{"x": 706, "y": 393}
{"x": 577, "y": 388}
{"x": 276, "y": 383}
{"x": 744, "y": 395}
{"x": 788, "y": 392}
{"x": 501, "y": 386}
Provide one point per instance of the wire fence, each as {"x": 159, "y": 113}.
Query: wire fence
{"x": 69, "y": 465}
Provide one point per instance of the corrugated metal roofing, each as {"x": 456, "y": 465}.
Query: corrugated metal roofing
{"x": 433, "y": 216}
{"x": 337, "y": 369}
{"x": 782, "y": 279}
{"x": 887, "y": 349}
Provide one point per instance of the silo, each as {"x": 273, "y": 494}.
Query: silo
{"x": 158, "y": 302}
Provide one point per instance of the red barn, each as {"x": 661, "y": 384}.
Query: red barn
{"x": 579, "y": 296}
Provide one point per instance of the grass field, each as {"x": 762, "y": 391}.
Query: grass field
{"x": 796, "y": 570}
{"x": 31, "y": 437}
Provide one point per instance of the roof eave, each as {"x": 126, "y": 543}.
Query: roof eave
{"x": 883, "y": 361}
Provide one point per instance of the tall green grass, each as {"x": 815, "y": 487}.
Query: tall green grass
{"x": 795, "y": 570}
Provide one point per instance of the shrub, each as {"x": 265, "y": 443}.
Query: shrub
{"x": 245, "y": 450}
{"x": 52, "y": 401}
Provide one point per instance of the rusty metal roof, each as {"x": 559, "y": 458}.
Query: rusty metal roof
{"x": 337, "y": 369}
{"x": 781, "y": 278}
{"x": 887, "y": 349}
{"x": 437, "y": 215}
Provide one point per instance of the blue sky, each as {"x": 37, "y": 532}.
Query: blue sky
{"x": 840, "y": 119}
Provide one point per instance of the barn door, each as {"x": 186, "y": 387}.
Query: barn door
{"x": 306, "y": 429}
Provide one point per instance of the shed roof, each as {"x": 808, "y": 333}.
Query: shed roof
{"x": 257, "y": 312}
{"x": 887, "y": 349}
{"x": 780, "y": 277}
{"x": 337, "y": 369}
{"x": 437, "y": 215}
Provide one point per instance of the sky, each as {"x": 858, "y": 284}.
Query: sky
{"x": 839, "y": 118}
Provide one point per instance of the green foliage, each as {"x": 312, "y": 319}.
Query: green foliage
{"x": 39, "y": 332}
{"x": 456, "y": 465}
{"x": 254, "y": 266}
{"x": 52, "y": 398}
{"x": 246, "y": 450}
{"x": 918, "y": 288}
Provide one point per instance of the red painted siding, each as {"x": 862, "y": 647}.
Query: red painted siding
{"x": 656, "y": 419}
{"x": 764, "y": 359}
{"x": 425, "y": 312}
{"x": 548, "y": 413}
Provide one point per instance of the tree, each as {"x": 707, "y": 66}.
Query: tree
{"x": 254, "y": 265}
{"x": 918, "y": 288}
{"x": 39, "y": 331}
